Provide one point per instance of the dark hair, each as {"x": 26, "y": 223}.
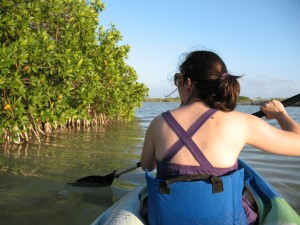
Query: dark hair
{"x": 214, "y": 86}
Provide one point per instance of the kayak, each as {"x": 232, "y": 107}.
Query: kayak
{"x": 271, "y": 206}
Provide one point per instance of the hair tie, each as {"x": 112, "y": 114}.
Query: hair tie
{"x": 224, "y": 75}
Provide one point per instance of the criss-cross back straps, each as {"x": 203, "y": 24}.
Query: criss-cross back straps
{"x": 185, "y": 137}
{"x": 191, "y": 131}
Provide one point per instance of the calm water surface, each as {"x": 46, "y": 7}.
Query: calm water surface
{"x": 33, "y": 177}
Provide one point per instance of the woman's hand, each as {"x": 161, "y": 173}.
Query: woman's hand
{"x": 273, "y": 109}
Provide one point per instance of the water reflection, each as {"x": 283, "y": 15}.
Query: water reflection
{"x": 33, "y": 176}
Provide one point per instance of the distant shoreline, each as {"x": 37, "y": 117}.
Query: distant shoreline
{"x": 243, "y": 101}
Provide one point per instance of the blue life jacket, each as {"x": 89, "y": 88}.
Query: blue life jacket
{"x": 193, "y": 202}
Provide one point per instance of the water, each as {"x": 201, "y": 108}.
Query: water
{"x": 33, "y": 177}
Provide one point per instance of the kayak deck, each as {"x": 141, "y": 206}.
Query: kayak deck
{"x": 124, "y": 211}
{"x": 271, "y": 206}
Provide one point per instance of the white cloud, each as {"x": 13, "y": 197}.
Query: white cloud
{"x": 269, "y": 87}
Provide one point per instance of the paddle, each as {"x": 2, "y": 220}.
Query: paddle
{"x": 102, "y": 181}
{"x": 286, "y": 102}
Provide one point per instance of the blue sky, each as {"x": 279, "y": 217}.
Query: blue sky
{"x": 259, "y": 39}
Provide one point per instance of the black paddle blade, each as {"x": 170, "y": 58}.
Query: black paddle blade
{"x": 102, "y": 181}
{"x": 94, "y": 181}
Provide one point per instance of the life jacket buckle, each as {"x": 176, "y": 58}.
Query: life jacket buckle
{"x": 164, "y": 188}
{"x": 217, "y": 184}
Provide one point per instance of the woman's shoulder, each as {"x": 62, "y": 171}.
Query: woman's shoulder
{"x": 238, "y": 115}
{"x": 157, "y": 120}
{"x": 234, "y": 118}
{"x": 245, "y": 116}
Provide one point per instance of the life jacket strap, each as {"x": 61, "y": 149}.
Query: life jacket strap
{"x": 217, "y": 183}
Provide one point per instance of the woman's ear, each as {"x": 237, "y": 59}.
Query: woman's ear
{"x": 189, "y": 84}
{"x": 186, "y": 91}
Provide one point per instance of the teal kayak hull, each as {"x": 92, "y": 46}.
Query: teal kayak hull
{"x": 272, "y": 207}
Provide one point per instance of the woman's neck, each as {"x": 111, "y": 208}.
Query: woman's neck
{"x": 191, "y": 101}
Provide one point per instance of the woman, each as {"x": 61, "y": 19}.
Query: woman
{"x": 209, "y": 95}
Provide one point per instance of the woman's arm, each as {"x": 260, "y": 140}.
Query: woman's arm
{"x": 285, "y": 141}
{"x": 148, "y": 160}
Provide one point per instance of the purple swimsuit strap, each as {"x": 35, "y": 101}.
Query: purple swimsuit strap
{"x": 185, "y": 137}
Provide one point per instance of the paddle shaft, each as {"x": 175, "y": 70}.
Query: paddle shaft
{"x": 120, "y": 172}
{"x": 286, "y": 102}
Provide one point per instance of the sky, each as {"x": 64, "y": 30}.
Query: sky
{"x": 259, "y": 39}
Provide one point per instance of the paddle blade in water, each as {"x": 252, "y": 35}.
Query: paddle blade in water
{"x": 94, "y": 181}
{"x": 102, "y": 181}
